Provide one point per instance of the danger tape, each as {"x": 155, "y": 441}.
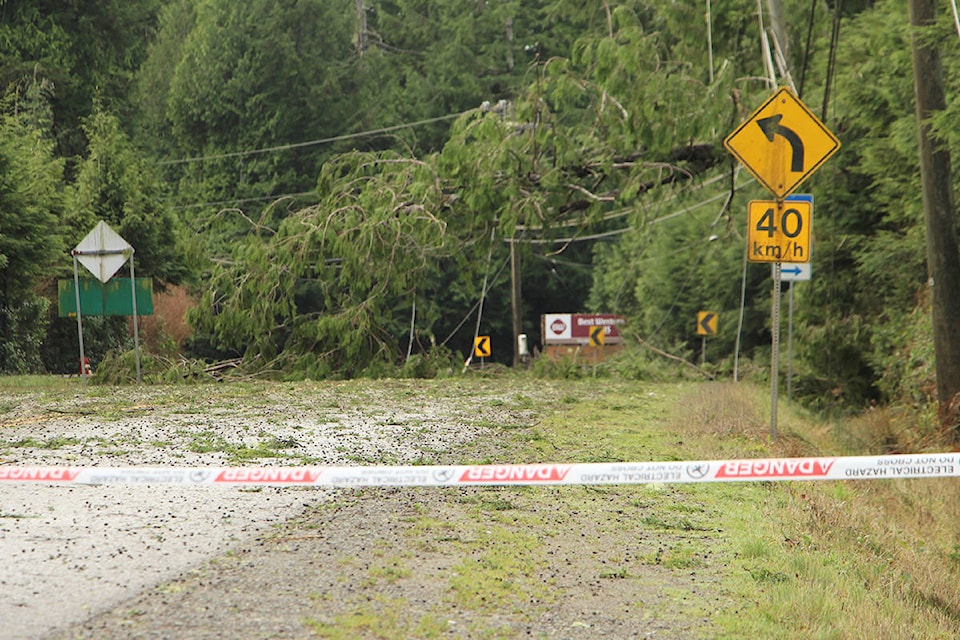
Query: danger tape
{"x": 927, "y": 465}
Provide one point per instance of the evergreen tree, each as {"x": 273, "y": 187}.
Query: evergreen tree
{"x": 30, "y": 241}
{"x": 83, "y": 51}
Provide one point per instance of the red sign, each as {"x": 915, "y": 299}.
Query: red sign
{"x": 575, "y": 328}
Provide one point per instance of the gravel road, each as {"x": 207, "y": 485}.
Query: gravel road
{"x": 72, "y": 552}
{"x": 170, "y": 561}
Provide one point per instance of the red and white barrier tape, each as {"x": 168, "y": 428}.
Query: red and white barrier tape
{"x": 925, "y": 465}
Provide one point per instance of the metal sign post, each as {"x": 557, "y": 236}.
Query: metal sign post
{"x": 103, "y": 252}
{"x": 775, "y": 350}
{"x": 76, "y": 289}
{"x": 798, "y": 272}
{"x": 136, "y": 332}
{"x": 790, "y": 345}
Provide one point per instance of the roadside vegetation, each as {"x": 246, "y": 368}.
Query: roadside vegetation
{"x": 861, "y": 559}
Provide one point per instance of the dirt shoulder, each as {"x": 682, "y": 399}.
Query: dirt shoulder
{"x": 413, "y": 563}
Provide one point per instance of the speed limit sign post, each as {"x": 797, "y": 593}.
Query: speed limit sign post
{"x": 782, "y": 144}
{"x": 779, "y": 232}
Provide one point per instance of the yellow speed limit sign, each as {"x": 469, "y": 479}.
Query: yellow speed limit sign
{"x": 779, "y": 231}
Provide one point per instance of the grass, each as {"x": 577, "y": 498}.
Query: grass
{"x": 210, "y": 441}
{"x": 867, "y": 559}
{"x": 35, "y": 382}
{"x": 833, "y": 559}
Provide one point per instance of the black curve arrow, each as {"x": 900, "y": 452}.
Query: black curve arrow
{"x": 483, "y": 346}
{"x": 771, "y": 126}
{"x": 597, "y": 335}
{"x": 705, "y": 323}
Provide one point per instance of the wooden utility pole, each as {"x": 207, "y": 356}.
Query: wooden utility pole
{"x": 361, "y": 40}
{"x": 515, "y": 299}
{"x": 943, "y": 257}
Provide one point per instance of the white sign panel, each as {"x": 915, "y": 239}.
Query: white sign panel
{"x": 796, "y": 272}
{"x": 102, "y": 251}
{"x": 558, "y": 326}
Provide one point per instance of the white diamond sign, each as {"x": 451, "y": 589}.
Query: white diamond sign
{"x": 103, "y": 251}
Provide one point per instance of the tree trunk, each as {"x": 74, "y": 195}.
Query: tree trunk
{"x": 943, "y": 258}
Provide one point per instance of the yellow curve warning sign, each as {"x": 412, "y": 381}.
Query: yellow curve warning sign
{"x": 782, "y": 143}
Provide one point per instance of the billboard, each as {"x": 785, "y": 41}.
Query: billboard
{"x": 575, "y": 328}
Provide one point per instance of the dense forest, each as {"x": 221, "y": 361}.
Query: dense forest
{"x": 341, "y": 184}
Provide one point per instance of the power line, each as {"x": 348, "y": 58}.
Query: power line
{"x": 615, "y": 232}
{"x": 612, "y": 215}
{"x": 297, "y": 145}
{"x": 218, "y": 203}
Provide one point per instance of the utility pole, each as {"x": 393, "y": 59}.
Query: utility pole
{"x": 515, "y": 299}
{"x": 779, "y": 28}
{"x": 361, "y": 42}
{"x": 943, "y": 257}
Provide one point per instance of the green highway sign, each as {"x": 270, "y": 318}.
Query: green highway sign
{"x": 112, "y": 298}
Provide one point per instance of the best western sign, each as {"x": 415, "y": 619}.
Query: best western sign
{"x": 576, "y": 328}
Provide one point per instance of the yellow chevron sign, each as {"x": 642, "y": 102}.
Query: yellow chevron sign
{"x": 481, "y": 347}
{"x": 706, "y": 323}
{"x": 598, "y": 336}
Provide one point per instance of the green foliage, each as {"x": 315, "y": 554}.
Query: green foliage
{"x": 903, "y": 355}
{"x": 559, "y": 369}
{"x": 869, "y": 257}
{"x": 114, "y": 185}
{"x": 30, "y": 177}
{"x": 439, "y": 362}
{"x": 24, "y": 328}
{"x": 119, "y": 367}
{"x": 587, "y": 136}
{"x": 60, "y": 350}
{"x": 84, "y": 52}
{"x": 30, "y": 201}
{"x": 319, "y": 294}
{"x": 226, "y": 78}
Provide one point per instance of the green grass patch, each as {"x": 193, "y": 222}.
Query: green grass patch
{"x": 40, "y": 443}
{"x": 383, "y": 618}
{"x": 39, "y": 383}
{"x": 499, "y": 571}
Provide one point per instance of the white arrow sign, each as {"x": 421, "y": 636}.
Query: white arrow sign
{"x": 103, "y": 251}
{"x": 796, "y": 272}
